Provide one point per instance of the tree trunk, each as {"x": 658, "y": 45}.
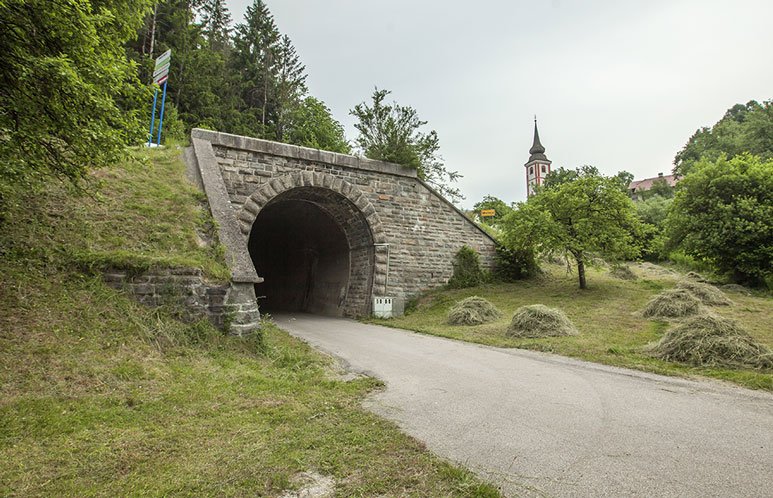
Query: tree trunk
{"x": 581, "y": 271}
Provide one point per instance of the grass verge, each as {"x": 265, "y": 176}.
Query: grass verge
{"x": 100, "y": 396}
{"x": 607, "y": 315}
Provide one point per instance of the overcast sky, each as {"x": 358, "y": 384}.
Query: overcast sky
{"x": 616, "y": 84}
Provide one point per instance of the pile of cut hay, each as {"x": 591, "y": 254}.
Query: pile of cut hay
{"x": 712, "y": 341}
{"x": 623, "y": 272}
{"x": 738, "y": 289}
{"x": 696, "y": 276}
{"x": 473, "y": 311}
{"x": 672, "y": 303}
{"x": 706, "y": 293}
{"x": 538, "y": 320}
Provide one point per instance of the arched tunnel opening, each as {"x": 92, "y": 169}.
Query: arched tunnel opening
{"x": 314, "y": 250}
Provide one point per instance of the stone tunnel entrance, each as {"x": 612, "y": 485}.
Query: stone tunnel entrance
{"x": 315, "y": 251}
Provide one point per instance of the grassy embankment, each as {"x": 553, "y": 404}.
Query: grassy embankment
{"x": 102, "y": 396}
{"x": 611, "y": 330}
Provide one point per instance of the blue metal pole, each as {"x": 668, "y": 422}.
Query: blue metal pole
{"x": 161, "y": 117}
{"x": 153, "y": 117}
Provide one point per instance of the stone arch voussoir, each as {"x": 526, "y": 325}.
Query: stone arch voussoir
{"x": 280, "y": 184}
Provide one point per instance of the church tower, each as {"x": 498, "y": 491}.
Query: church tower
{"x": 538, "y": 166}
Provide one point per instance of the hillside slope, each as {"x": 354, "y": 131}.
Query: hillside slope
{"x": 102, "y": 396}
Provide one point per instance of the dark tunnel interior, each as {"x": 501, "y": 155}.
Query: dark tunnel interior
{"x": 303, "y": 256}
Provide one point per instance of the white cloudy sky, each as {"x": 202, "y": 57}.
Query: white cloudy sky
{"x": 616, "y": 84}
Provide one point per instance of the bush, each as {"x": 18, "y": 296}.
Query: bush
{"x": 712, "y": 341}
{"x": 723, "y": 215}
{"x": 473, "y": 311}
{"x": 467, "y": 270}
{"x": 673, "y": 303}
{"x": 514, "y": 264}
{"x": 538, "y": 320}
{"x": 706, "y": 293}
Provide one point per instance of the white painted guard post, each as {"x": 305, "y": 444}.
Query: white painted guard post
{"x": 160, "y": 75}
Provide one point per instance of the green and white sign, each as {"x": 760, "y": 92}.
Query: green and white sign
{"x": 161, "y": 71}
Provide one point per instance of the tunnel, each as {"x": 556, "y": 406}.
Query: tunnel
{"x": 314, "y": 249}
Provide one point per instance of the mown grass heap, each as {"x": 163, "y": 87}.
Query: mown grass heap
{"x": 696, "y": 276}
{"x": 712, "y": 341}
{"x": 537, "y": 320}
{"x": 672, "y": 303}
{"x": 738, "y": 289}
{"x": 473, "y": 310}
{"x": 623, "y": 272}
{"x": 706, "y": 293}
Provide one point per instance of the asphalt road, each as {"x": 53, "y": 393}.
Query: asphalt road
{"x": 544, "y": 425}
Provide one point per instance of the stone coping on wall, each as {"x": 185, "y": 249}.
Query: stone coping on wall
{"x": 302, "y": 153}
{"x": 332, "y": 158}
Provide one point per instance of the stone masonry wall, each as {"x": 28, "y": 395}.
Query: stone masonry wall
{"x": 422, "y": 229}
{"x": 184, "y": 290}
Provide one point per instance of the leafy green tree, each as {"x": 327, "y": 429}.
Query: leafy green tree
{"x": 499, "y": 206}
{"x": 743, "y": 129}
{"x": 659, "y": 188}
{"x": 563, "y": 175}
{"x": 581, "y": 217}
{"x": 652, "y": 212}
{"x": 312, "y": 125}
{"x": 390, "y": 132}
{"x": 723, "y": 214}
{"x": 69, "y": 97}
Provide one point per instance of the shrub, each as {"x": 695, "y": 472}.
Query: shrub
{"x": 712, "y": 341}
{"x": 514, "y": 264}
{"x": 473, "y": 311}
{"x": 673, "y": 303}
{"x": 467, "y": 270}
{"x": 706, "y": 293}
{"x": 538, "y": 320}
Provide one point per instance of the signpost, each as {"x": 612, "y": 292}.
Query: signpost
{"x": 160, "y": 75}
{"x": 487, "y": 213}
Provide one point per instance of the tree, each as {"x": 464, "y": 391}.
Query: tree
{"x": 563, "y": 175}
{"x": 722, "y": 214}
{"x": 69, "y": 97}
{"x": 498, "y": 205}
{"x": 743, "y": 129}
{"x": 312, "y": 125}
{"x": 254, "y": 60}
{"x": 390, "y": 132}
{"x": 290, "y": 83}
{"x": 216, "y": 25}
{"x": 581, "y": 217}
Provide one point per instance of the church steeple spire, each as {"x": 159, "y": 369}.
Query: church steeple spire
{"x": 538, "y": 166}
{"x": 537, "y": 150}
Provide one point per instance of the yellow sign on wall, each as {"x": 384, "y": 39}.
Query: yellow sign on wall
{"x": 485, "y": 213}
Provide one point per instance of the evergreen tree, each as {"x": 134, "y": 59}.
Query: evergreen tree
{"x": 216, "y": 25}
{"x": 254, "y": 59}
{"x": 290, "y": 84}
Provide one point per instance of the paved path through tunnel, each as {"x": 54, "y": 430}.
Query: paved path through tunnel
{"x": 544, "y": 425}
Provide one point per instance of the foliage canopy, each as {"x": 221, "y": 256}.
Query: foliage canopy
{"x": 743, "y": 129}
{"x": 723, "y": 214}
{"x": 587, "y": 215}
{"x": 69, "y": 97}
{"x": 390, "y": 132}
